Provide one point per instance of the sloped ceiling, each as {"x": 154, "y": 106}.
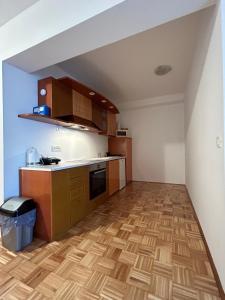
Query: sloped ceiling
{"x": 11, "y": 8}
{"x": 124, "y": 71}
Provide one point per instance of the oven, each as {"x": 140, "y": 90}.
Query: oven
{"x": 97, "y": 179}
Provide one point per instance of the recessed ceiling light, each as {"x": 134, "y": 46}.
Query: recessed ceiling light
{"x": 83, "y": 127}
{"x": 103, "y": 101}
{"x": 75, "y": 126}
{"x": 91, "y": 93}
{"x": 111, "y": 106}
{"x": 162, "y": 70}
{"x": 79, "y": 127}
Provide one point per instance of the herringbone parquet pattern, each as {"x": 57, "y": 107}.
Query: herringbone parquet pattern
{"x": 144, "y": 243}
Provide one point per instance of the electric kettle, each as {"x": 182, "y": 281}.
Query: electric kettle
{"x": 32, "y": 156}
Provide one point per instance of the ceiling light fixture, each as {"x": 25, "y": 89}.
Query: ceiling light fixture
{"x": 74, "y": 126}
{"x": 162, "y": 70}
{"x": 83, "y": 127}
{"x": 103, "y": 101}
{"x": 79, "y": 127}
{"x": 111, "y": 106}
{"x": 91, "y": 93}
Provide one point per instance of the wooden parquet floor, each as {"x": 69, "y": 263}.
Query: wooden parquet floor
{"x": 144, "y": 243}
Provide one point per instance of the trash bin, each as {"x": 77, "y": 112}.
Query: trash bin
{"x": 17, "y": 219}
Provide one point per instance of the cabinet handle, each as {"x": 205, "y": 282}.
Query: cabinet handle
{"x": 97, "y": 172}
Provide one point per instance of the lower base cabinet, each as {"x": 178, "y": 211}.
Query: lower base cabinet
{"x": 62, "y": 199}
{"x": 70, "y": 199}
{"x": 60, "y": 205}
{"x": 113, "y": 170}
{"x": 78, "y": 194}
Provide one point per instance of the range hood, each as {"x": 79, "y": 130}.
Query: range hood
{"x": 75, "y": 122}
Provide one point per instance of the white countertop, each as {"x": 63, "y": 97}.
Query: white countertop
{"x": 70, "y": 164}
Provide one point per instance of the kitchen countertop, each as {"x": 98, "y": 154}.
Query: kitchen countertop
{"x": 70, "y": 164}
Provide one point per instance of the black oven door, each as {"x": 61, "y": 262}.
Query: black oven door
{"x": 97, "y": 183}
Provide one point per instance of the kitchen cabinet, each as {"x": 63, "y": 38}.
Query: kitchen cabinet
{"x": 113, "y": 171}
{"x": 99, "y": 117}
{"x": 111, "y": 124}
{"x": 74, "y": 105}
{"x": 78, "y": 194}
{"x": 88, "y": 92}
{"x": 82, "y": 106}
{"x": 62, "y": 199}
{"x": 122, "y": 146}
{"x": 38, "y": 185}
{"x": 55, "y": 95}
{"x": 60, "y": 205}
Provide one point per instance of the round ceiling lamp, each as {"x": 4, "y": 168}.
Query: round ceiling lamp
{"x": 162, "y": 70}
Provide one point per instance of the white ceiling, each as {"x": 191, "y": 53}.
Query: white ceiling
{"x": 74, "y": 27}
{"x": 11, "y": 8}
{"x": 123, "y": 71}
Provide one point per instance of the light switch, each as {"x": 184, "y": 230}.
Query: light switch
{"x": 219, "y": 142}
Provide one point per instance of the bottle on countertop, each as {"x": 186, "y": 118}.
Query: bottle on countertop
{"x": 32, "y": 156}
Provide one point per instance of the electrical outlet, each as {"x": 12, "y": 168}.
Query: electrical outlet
{"x": 55, "y": 148}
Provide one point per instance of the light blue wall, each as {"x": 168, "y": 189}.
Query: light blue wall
{"x": 20, "y": 95}
{"x": 19, "y": 90}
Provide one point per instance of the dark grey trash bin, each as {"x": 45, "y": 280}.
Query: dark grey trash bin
{"x": 17, "y": 219}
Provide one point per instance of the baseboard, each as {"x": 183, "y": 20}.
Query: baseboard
{"x": 158, "y": 182}
{"x": 215, "y": 273}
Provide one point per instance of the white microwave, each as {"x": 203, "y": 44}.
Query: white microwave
{"x": 122, "y": 132}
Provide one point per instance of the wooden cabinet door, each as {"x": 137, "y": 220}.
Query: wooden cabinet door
{"x": 99, "y": 117}
{"x": 122, "y": 146}
{"x": 58, "y": 97}
{"x": 82, "y": 106}
{"x": 62, "y": 104}
{"x": 111, "y": 124}
{"x": 38, "y": 186}
{"x": 113, "y": 175}
{"x": 117, "y": 146}
{"x": 78, "y": 194}
{"x": 60, "y": 203}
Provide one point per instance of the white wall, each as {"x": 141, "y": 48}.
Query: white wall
{"x": 20, "y": 95}
{"x": 204, "y": 122}
{"x": 158, "y": 142}
{"x": 1, "y": 138}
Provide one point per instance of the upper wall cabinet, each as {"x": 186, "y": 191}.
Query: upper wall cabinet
{"x": 90, "y": 93}
{"x": 82, "y": 106}
{"x": 56, "y": 95}
{"x": 99, "y": 117}
{"x": 111, "y": 124}
{"x": 74, "y": 105}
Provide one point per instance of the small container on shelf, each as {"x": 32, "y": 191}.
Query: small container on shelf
{"x": 43, "y": 110}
